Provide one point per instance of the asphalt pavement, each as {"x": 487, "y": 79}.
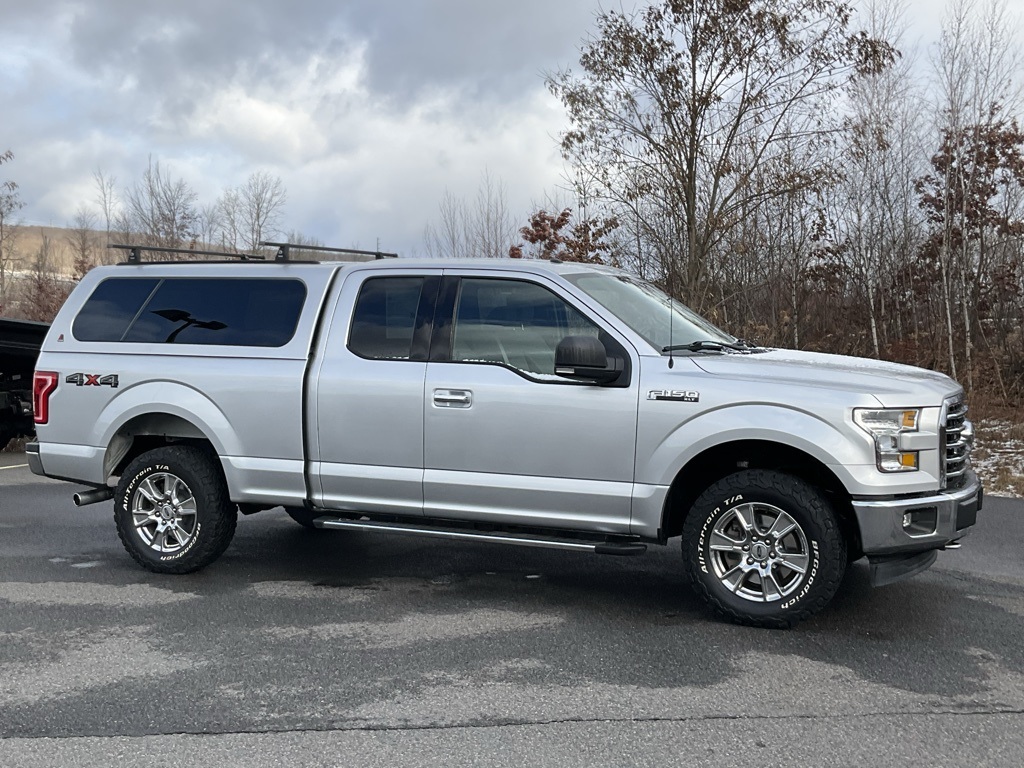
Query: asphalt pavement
{"x": 342, "y": 648}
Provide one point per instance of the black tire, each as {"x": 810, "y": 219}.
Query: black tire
{"x": 304, "y": 517}
{"x": 743, "y": 570}
{"x": 197, "y": 516}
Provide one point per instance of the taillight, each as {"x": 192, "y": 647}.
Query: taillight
{"x": 43, "y": 384}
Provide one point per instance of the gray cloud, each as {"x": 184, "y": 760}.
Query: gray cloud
{"x": 368, "y": 110}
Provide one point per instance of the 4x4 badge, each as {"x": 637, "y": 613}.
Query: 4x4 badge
{"x": 679, "y": 395}
{"x": 92, "y": 380}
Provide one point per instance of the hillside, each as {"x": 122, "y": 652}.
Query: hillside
{"x": 60, "y": 246}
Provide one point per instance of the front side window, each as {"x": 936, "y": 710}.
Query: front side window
{"x": 384, "y": 319}
{"x": 514, "y": 323}
{"x": 246, "y": 312}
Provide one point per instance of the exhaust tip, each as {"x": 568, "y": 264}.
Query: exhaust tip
{"x": 82, "y": 498}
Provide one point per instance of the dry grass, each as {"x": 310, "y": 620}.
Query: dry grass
{"x": 999, "y": 451}
{"x": 29, "y": 240}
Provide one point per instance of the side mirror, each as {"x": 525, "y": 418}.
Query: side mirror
{"x": 583, "y": 358}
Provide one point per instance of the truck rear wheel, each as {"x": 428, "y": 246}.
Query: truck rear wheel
{"x": 172, "y": 510}
{"x": 763, "y": 548}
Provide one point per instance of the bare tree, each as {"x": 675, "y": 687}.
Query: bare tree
{"x": 163, "y": 209}
{"x": 44, "y": 288}
{"x": 10, "y": 204}
{"x": 296, "y": 238}
{"x": 483, "y": 228}
{"x": 106, "y": 199}
{"x": 81, "y": 238}
{"x": 681, "y": 102}
{"x": 229, "y": 206}
{"x": 976, "y": 69}
{"x": 879, "y": 226}
{"x": 491, "y": 226}
{"x": 449, "y": 240}
{"x": 210, "y": 224}
{"x": 262, "y": 199}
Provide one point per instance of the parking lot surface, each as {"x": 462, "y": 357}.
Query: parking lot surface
{"x": 331, "y": 648}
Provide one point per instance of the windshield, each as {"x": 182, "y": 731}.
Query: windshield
{"x": 647, "y": 310}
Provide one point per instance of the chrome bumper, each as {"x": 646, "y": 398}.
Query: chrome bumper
{"x": 881, "y": 522}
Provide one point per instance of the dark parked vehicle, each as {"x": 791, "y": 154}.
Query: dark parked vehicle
{"x": 20, "y": 341}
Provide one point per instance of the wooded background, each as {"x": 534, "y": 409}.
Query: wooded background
{"x": 788, "y": 168}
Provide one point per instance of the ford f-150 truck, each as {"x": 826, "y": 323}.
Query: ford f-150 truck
{"x": 533, "y": 403}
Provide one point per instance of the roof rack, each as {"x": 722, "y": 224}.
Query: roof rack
{"x": 284, "y": 251}
{"x": 135, "y": 252}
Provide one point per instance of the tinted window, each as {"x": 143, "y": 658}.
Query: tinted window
{"x": 515, "y": 323}
{"x": 647, "y": 310}
{"x": 111, "y": 308}
{"x": 229, "y": 311}
{"x": 385, "y": 318}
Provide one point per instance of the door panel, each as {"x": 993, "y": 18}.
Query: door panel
{"x": 369, "y": 398}
{"x": 529, "y": 453}
{"x": 523, "y": 446}
{"x": 371, "y": 435}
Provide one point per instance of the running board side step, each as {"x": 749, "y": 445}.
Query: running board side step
{"x": 519, "y": 540}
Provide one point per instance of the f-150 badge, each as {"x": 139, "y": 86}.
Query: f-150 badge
{"x": 682, "y": 396}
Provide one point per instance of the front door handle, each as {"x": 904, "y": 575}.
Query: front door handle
{"x": 453, "y": 398}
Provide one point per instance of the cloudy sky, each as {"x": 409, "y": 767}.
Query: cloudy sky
{"x": 367, "y": 109}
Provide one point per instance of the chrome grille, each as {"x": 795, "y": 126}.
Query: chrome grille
{"x": 959, "y": 436}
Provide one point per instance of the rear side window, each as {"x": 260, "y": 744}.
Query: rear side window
{"x": 111, "y": 309}
{"x": 224, "y": 311}
{"x": 384, "y": 319}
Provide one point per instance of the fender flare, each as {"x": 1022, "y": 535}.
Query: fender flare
{"x": 788, "y": 426}
{"x": 174, "y": 399}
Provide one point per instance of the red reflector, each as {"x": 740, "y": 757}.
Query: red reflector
{"x": 43, "y": 384}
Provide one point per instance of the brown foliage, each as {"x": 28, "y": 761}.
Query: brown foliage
{"x": 971, "y": 168}
{"x": 552, "y": 238}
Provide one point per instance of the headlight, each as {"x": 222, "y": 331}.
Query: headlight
{"x": 886, "y": 426}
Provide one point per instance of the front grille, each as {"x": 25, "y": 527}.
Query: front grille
{"x": 959, "y": 436}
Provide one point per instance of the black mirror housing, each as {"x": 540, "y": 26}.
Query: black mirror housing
{"x": 583, "y": 358}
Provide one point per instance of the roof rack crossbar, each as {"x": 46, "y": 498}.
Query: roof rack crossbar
{"x": 284, "y": 251}
{"x": 135, "y": 252}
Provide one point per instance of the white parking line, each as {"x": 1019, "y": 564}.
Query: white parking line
{"x": 15, "y": 466}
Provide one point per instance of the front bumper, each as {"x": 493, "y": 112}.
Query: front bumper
{"x": 881, "y": 521}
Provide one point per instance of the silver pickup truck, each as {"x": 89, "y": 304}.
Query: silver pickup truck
{"x": 532, "y": 403}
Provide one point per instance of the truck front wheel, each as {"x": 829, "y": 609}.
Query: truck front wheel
{"x": 172, "y": 510}
{"x": 763, "y": 548}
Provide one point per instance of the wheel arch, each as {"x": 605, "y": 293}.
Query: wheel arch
{"x": 716, "y": 462}
{"x": 148, "y": 431}
{"x": 160, "y": 413}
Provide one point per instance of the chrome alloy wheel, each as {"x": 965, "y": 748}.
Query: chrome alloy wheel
{"x": 164, "y": 512}
{"x": 759, "y": 552}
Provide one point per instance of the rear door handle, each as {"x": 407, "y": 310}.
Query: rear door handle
{"x": 453, "y": 398}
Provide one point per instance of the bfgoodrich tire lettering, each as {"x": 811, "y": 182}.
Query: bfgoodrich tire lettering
{"x": 763, "y": 548}
{"x": 172, "y": 510}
